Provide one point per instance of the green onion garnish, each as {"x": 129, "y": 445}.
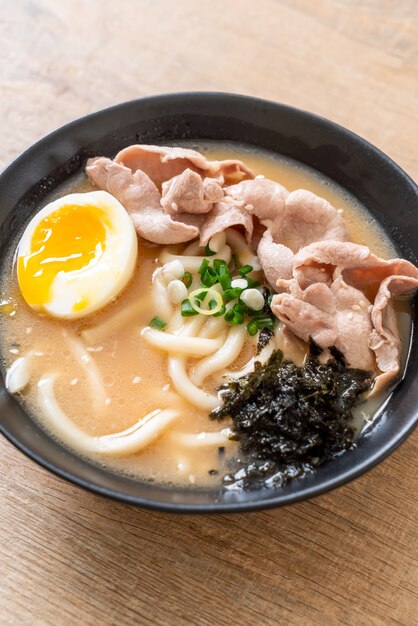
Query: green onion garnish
{"x": 224, "y": 278}
{"x": 206, "y": 301}
{"x": 232, "y": 317}
{"x": 232, "y": 293}
{"x": 245, "y": 269}
{"x": 264, "y": 322}
{"x": 223, "y": 273}
{"x": 252, "y": 328}
{"x": 199, "y": 295}
{"x": 209, "y": 277}
{"x": 251, "y": 283}
{"x": 239, "y": 307}
{"x": 186, "y": 309}
{"x": 187, "y": 279}
{"x": 203, "y": 266}
{"x": 208, "y": 251}
{"x": 257, "y": 315}
{"x": 213, "y": 304}
{"x": 220, "y": 312}
{"x": 158, "y": 323}
{"x": 217, "y": 264}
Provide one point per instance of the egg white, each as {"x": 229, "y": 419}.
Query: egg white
{"x": 99, "y": 282}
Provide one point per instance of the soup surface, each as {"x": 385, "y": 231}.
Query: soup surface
{"x": 133, "y": 377}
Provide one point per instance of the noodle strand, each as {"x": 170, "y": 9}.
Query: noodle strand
{"x": 128, "y": 441}
{"x": 191, "y": 346}
{"x": 87, "y": 364}
{"x": 226, "y": 354}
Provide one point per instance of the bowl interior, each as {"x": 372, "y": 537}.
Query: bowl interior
{"x": 387, "y": 192}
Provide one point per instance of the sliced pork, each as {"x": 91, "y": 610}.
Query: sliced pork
{"x": 141, "y": 199}
{"x": 261, "y": 197}
{"x": 308, "y": 218}
{"x": 223, "y": 216}
{"x": 275, "y": 259}
{"x": 188, "y": 193}
{"x": 295, "y": 219}
{"x": 161, "y": 163}
{"x": 358, "y": 266}
{"x": 331, "y": 316}
{"x": 384, "y": 339}
{"x": 345, "y": 270}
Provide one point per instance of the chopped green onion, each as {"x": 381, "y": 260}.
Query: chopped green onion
{"x": 217, "y": 264}
{"x": 224, "y": 278}
{"x": 199, "y": 294}
{"x": 232, "y": 293}
{"x": 239, "y": 307}
{"x": 264, "y": 322}
{"x": 220, "y": 312}
{"x": 158, "y": 323}
{"x": 208, "y": 251}
{"x": 252, "y": 328}
{"x": 209, "y": 277}
{"x": 245, "y": 269}
{"x": 186, "y": 309}
{"x": 257, "y": 315}
{"x": 223, "y": 273}
{"x": 187, "y": 279}
{"x": 251, "y": 282}
{"x": 232, "y": 317}
{"x": 203, "y": 266}
{"x": 196, "y": 298}
{"x": 270, "y": 298}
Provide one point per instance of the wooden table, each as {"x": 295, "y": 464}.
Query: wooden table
{"x": 349, "y": 557}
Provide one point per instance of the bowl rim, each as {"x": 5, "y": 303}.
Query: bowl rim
{"x": 274, "y": 498}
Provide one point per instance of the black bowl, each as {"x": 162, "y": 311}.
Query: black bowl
{"x": 388, "y": 193}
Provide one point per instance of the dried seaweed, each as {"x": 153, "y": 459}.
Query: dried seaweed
{"x": 264, "y": 337}
{"x": 288, "y": 419}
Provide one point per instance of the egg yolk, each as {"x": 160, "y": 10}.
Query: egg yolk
{"x": 66, "y": 240}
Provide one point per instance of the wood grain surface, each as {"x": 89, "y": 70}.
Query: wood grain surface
{"x": 349, "y": 557}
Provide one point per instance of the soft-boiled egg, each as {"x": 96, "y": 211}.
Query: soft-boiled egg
{"x": 76, "y": 255}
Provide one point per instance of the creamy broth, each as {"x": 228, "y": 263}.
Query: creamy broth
{"x": 134, "y": 374}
